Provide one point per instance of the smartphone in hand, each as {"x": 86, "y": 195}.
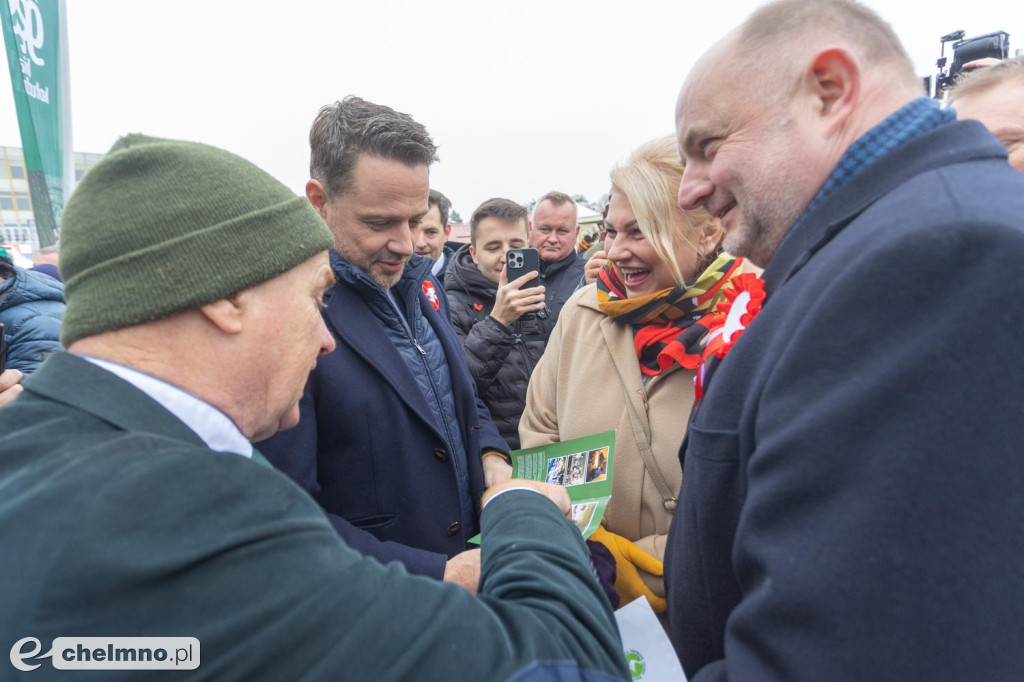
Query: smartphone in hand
{"x": 521, "y": 261}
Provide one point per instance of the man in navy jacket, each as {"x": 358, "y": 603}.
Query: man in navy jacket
{"x": 393, "y": 441}
{"x": 851, "y": 504}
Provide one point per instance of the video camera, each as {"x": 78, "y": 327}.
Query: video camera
{"x": 996, "y": 45}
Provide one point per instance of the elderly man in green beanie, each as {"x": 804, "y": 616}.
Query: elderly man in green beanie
{"x": 132, "y": 504}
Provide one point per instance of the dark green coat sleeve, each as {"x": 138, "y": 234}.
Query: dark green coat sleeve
{"x": 340, "y": 613}
{"x": 208, "y": 545}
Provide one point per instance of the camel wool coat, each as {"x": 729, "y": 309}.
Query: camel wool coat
{"x": 580, "y": 387}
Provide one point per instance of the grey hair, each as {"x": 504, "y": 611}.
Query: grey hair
{"x": 556, "y": 199}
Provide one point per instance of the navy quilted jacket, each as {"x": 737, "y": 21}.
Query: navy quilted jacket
{"x": 31, "y": 307}
{"x": 420, "y": 348}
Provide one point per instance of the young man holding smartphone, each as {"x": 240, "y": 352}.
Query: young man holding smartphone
{"x": 503, "y": 324}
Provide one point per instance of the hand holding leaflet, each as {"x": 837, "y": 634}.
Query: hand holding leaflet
{"x": 583, "y": 466}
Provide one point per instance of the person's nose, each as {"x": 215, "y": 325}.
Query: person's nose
{"x": 327, "y": 342}
{"x": 419, "y": 241}
{"x": 616, "y": 248}
{"x": 695, "y": 188}
{"x": 402, "y": 243}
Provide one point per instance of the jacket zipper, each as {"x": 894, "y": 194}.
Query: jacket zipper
{"x": 517, "y": 340}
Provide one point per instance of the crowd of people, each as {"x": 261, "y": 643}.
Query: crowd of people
{"x": 273, "y": 423}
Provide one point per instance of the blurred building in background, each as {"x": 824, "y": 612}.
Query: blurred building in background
{"x": 17, "y": 225}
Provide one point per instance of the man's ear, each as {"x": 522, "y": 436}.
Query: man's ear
{"x": 447, "y": 230}
{"x": 472, "y": 253}
{"x": 833, "y": 81}
{"x": 226, "y": 313}
{"x": 317, "y": 196}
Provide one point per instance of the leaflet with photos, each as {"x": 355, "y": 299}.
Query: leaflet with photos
{"x": 583, "y": 466}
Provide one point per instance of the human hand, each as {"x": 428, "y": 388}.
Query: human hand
{"x": 496, "y": 470}
{"x": 629, "y": 561}
{"x": 981, "y": 63}
{"x": 10, "y": 386}
{"x": 594, "y": 265}
{"x": 463, "y": 570}
{"x": 555, "y": 493}
{"x": 512, "y": 302}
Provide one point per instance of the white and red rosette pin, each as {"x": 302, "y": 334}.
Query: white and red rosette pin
{"x": 743, "y": 300}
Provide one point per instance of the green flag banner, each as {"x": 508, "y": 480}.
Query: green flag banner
{"x": 35, "y": 34}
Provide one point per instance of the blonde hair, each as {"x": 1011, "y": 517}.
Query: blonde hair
{"x": 649, "y": 178}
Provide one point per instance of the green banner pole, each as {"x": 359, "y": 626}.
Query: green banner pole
{"x": 36, "y": 41}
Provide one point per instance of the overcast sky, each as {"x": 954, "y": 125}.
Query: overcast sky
{"x": 522, "y": 97}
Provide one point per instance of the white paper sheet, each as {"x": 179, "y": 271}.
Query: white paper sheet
{"x": 649, "y": 653}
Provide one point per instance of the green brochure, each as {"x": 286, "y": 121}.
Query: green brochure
{"x": 583, "y": 466}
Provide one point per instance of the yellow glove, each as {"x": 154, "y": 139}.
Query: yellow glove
{"x": 629, "y": 558}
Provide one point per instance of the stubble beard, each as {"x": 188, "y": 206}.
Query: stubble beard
{"x": 763, "y": 222}
{"x": 755, "y": 239}
{"x": 383, "y": 280}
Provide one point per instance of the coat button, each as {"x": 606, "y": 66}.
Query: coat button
{"x": 454, "y": 528}
{"x": 441, "y": 454}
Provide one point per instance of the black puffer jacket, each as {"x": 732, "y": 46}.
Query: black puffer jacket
{"x": 501, "y": 359}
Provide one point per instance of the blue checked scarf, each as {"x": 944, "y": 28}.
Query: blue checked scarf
{"x": 913, "y": 120}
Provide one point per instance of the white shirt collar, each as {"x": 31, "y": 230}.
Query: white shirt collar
{"x": 438, "y": 265}
{"x": 213, "y": 426}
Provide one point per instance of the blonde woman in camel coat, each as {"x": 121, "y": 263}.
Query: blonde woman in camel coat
{"x": 616, "y": 357}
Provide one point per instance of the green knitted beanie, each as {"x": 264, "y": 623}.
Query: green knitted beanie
{"x": 160, "y": 226}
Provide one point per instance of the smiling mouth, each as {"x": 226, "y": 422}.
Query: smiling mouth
{"x": 634, "y": 277}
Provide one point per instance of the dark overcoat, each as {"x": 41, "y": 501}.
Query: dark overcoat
{"x": 851, "y": 504}
{"x": 368, "y": 448}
